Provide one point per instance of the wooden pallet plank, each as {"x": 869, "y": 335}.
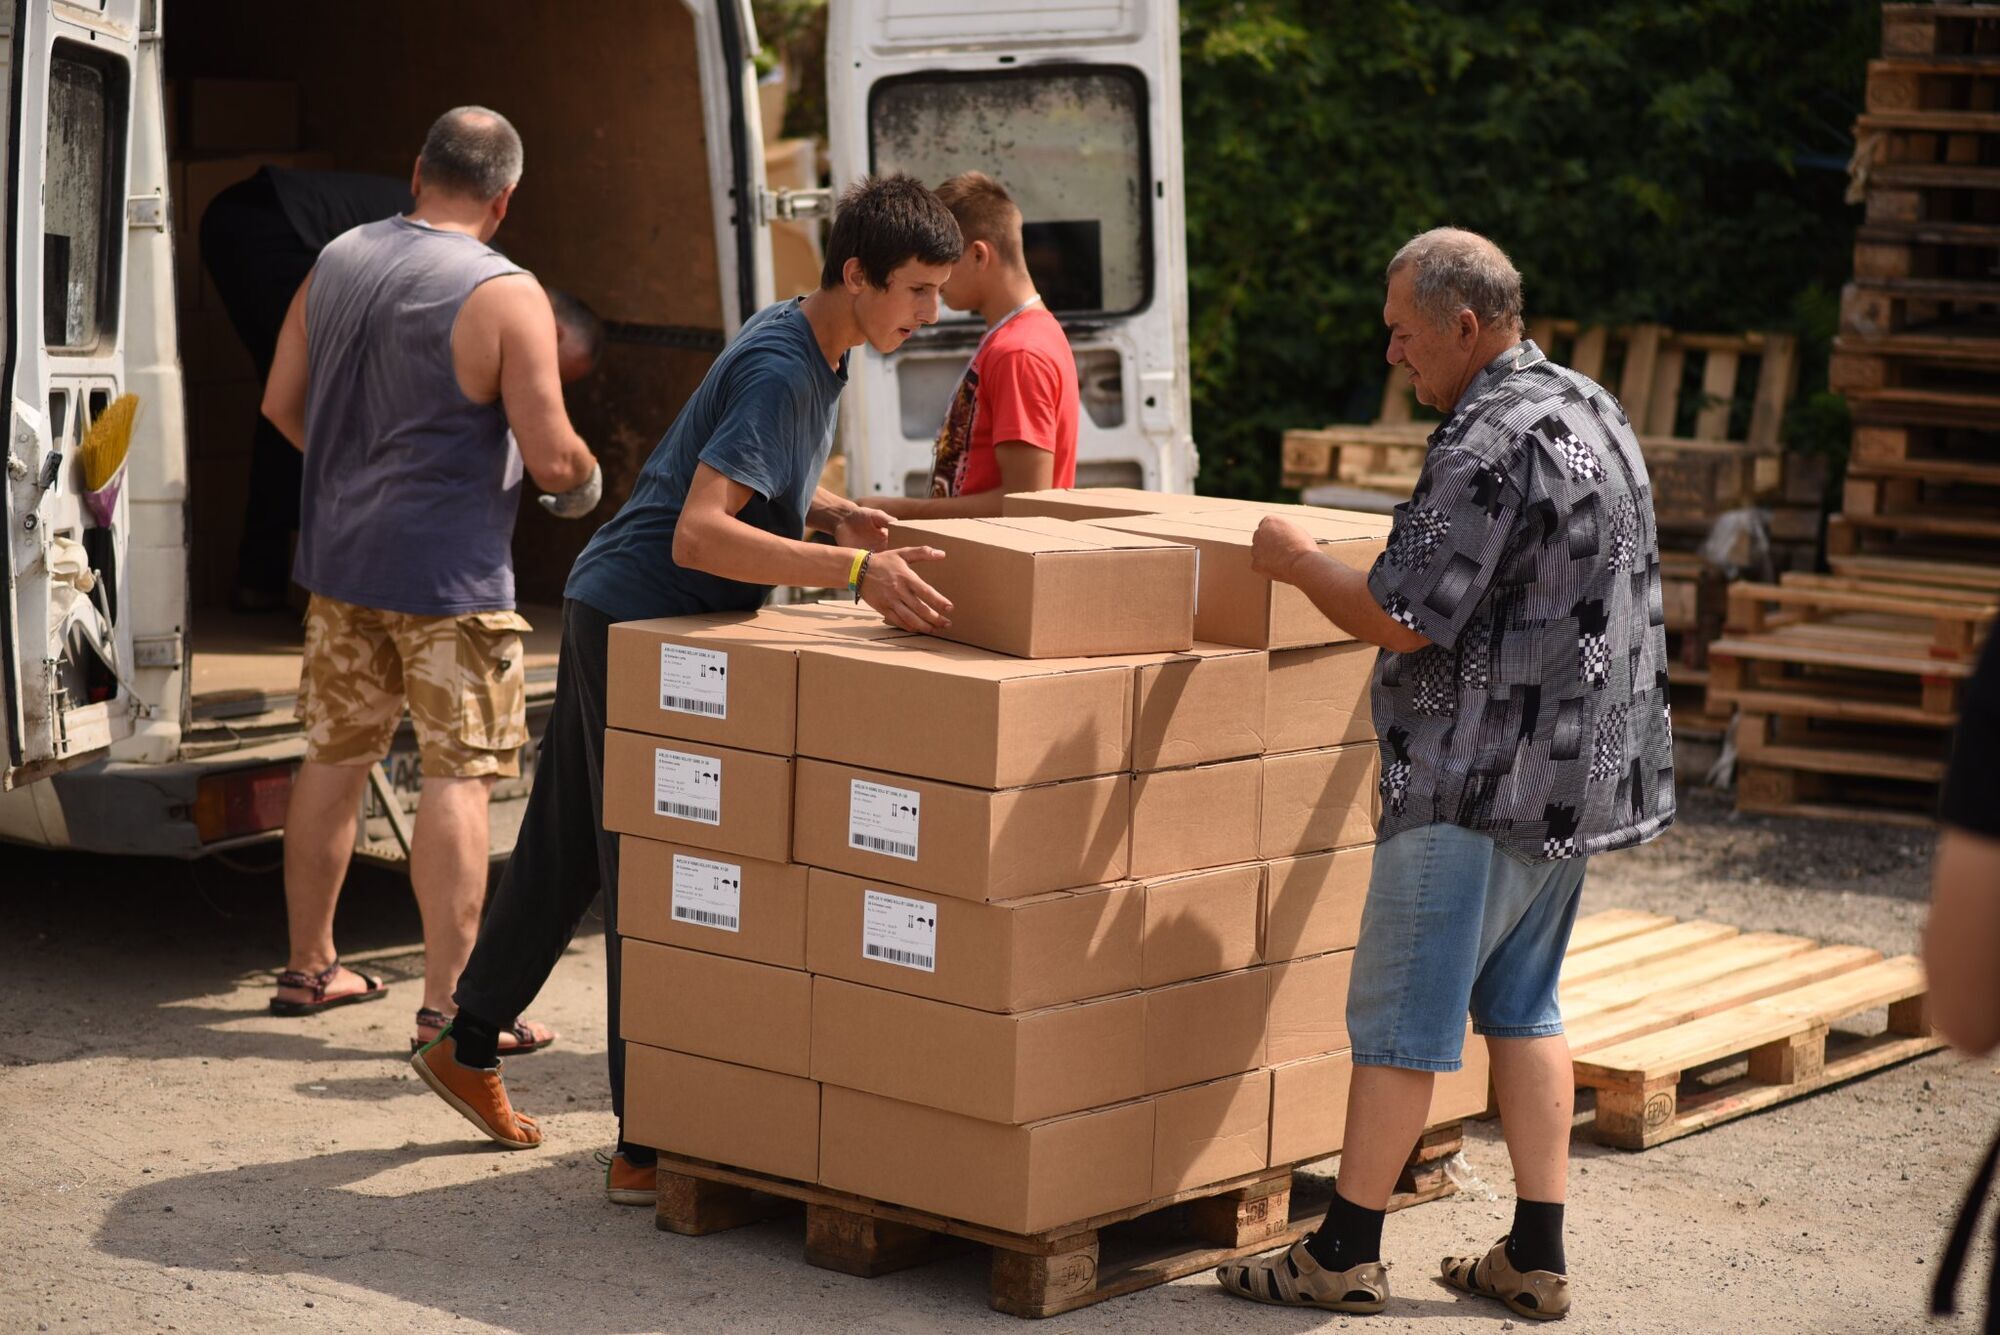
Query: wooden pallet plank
{"x": 1769, "y": 1019}
{"x": 1706, "y": 963}
{"x": 1701, "y": 997}
{"x": 1640, "y": 949}
{"x": 1602, "y": 928}
{"x": 1788, "y": 646}
{"x": 1718, "y": 392}
{"x": 1952, "y": 574}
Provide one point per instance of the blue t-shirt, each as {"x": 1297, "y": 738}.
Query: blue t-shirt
{"x": 763, "y": 416}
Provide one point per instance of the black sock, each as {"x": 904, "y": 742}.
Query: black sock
{"x": 1349, "y": 1235}
{"x": 639, "y": 1156}
{"x": 1536, "y": 1240}
{"x": 475, "y": 1040}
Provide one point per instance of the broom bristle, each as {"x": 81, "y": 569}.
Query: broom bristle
{"x": 105, "y": 444}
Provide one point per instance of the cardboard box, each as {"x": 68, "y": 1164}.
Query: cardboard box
{"x": 678, "y": 895}
{"x": 1012, "y": 955}
{"x": 1205, "y": 1029}
{"x": 1085, "y": 503}
{"x": 760, "y": 1120}
{"x": 965, "y": 715}
{"x": 1312, "y": 904}
{"x": 726, "y": 679}
{"x": 1236, "y": 604}
{"x": 967, "y": 842}
{"x": 1211, "y": 1133}
{"x": 1022, "y": 1179}
{"x": 242, "y": 115}
{"x": 1201, "y": 923}
{"x": 1044, "y": 588}
{"x": 1206, "y": 704}
{"x": 713, "y": 1006}
{"x": 1001, "y": 1068}
{"x": 1309, "y": 1006}
{"x": 1320, "y": 697}
{"x": 693, "y": 793}
{"x": 1186, "y": 819}
{"x": 1315, "y": 800}
{"x": 1309, "y": 1101}
{"x": 1466, "y": 1091}
{"x": 1309, "y": 1107}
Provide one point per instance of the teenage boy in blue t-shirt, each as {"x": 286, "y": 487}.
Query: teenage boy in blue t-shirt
{"x": 717, "y": 518}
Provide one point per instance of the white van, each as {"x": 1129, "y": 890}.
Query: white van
{"x": 140, "y": 714}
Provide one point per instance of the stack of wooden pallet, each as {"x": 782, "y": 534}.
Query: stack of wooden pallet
{"x": 1848, "y": 684}
{"x": 1709, "y": 411}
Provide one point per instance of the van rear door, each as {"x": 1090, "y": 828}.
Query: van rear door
{"x": 1074, "y": 106}
{"x": 65, "y": 653}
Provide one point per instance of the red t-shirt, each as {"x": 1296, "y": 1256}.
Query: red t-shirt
{"x": 1021, "y": 386}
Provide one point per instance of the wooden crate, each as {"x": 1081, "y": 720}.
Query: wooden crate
{"x": 1967, "y": 33}
{"x": 1054, "y": 1271}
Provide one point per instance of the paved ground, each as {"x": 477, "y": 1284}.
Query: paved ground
{"x": 180, "y": 1160}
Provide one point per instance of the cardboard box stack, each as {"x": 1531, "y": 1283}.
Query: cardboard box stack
{"x": 1018, "y": 938}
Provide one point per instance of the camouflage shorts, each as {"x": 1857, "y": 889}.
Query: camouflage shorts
{"x": 462, "y": 676}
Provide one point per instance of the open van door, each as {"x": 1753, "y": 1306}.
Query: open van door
{"x": 1075, "y": 108}
{"x": 71, "y": 72}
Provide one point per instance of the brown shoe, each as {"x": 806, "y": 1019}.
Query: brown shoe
{"x": 1294, "y": 1279}
{"x": 627, "y": 1183}
{"x": 477, "y": 1094}
{"x": 1539, "y": 1295}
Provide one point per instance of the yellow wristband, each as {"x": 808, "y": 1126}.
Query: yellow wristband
{"x": 854, "y": 571}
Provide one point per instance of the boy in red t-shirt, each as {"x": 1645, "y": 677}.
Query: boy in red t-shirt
{"x": 1011, "y": 423}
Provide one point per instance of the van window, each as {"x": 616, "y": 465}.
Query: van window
{"x": 83, "y": 172}
{"x": 1068, "y": 142}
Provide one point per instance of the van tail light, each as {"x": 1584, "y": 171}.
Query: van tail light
{"x": 241, "y": 802}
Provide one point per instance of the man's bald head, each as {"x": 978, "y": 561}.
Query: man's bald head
{"x": 1454, "y": 270}
{"x": 471, "y": 151}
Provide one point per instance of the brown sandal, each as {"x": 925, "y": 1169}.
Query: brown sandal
{"x": 1294, "y": 1279}
{"x": 525, "y": 1041}
{"x": 315, "y": 983}
{"x": 1538, "y": 1295}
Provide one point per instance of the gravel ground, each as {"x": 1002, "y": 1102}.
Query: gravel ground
{"x": 182, "y": 1160}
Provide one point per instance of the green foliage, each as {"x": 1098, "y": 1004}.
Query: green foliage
{"x": 1639, "y": 159}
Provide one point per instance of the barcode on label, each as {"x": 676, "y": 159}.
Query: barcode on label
{"x": 703, "y": 918}
{"x": 894, "y": 956}
{"x": 688, "y": 811}
{"x": 875, "y": 845}
{"x": 687, "y": 704}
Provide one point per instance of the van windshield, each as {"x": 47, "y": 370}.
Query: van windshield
{"x": 81, "y": 170}
{"x": 1069, "y": 143}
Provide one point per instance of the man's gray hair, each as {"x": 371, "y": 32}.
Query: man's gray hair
{"x": 471, "y": 151}
{"x": 1457, "y": 270}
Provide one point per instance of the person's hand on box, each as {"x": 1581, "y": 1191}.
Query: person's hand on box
{"x": 892, "y": 588}
{"x": 863, "y": 527}
{"x": 1278, "y": 547}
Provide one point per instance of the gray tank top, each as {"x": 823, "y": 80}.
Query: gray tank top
{"x": 410, "y": 488}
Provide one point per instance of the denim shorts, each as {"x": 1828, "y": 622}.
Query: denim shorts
{"x": 1455, "y": 923}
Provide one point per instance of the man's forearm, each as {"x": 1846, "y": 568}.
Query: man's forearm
{"x": 827, "y": 510}
{"x": 731, "y": 549}
{"x": 1341, "y": 594}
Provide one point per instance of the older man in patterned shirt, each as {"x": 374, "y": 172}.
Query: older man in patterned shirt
{"x": 1521, "y": 698}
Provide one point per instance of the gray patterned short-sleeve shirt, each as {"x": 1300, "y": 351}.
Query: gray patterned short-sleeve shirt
{"x": 1527, "y": 555}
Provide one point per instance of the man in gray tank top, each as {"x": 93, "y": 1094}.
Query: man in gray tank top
{"x": 410, "y": 350}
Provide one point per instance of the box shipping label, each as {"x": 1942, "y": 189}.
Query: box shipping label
{"x": 686, "y": 786}
{"x": 694, "y": 681}
{"x": 881, "y": 819}
{"x": 708, "y": 893}
{"x": 901, "y": 931}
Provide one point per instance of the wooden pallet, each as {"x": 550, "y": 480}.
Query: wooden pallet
{"x": 1938, "y": 536}
{"x": 1057, "y": 1270}
{"x": 1954, "y": 620}
{"x": 1838, "y": 665}
{"x": 1943, "y": 453}
{"x": 1937, "y": 500}
{"x": 1959, "y": 575}
{"x": 1967, "y": 33}
{"x": 1875, "y": 306}
{"x": 1816, "y": 794}
{"x": 1915, "y": 84}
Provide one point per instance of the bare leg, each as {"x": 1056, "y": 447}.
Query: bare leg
{"x": 320, "y": 817}
{"x": 1386, "y": 1110}
{"x": 1536, "y": 1087}
{"x": 448, "y": 854}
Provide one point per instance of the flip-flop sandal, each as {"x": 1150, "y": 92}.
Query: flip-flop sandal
{"x": 525, "y": 1040}
{"x": 315, "y": 983}
{"x": 1294, "y": 1279}
{"x": 1538, "y": 1295}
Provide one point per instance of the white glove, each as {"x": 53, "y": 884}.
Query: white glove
{"x": 579, "y": 500}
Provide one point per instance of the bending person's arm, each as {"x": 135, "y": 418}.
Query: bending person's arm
{"x": 1023, "y": 467}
